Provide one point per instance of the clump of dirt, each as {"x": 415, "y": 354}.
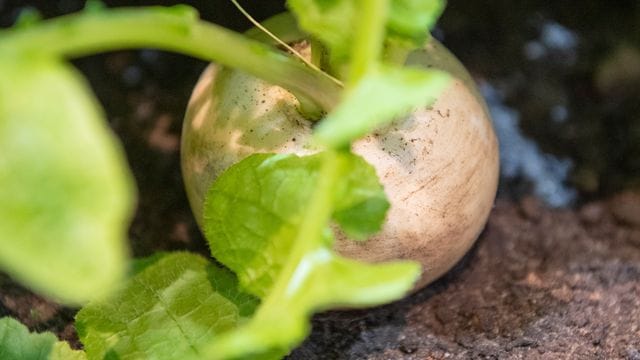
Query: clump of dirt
{"x": 540, "y": 283}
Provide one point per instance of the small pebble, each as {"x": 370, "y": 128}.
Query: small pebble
{"x": 408, "y": 348}
{"x": 523, "y": 342}
{"x": 464, "y": 340}
{"x": 487, "y": 347}
{"x": 633, "y": 354}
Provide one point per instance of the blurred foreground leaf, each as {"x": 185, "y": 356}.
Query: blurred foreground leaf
{"x": 66, "y": 194}
{"x": 378, "y": 99}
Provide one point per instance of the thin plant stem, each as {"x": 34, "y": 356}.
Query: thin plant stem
{"x": 175, "y": 29}
{"x": 282, "y": 43}
{"x": 369, "y": 38}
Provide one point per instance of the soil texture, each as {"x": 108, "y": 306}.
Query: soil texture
{"x": 539, "y": 284}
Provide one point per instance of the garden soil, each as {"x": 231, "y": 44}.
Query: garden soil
{"x": 539, "y": 284}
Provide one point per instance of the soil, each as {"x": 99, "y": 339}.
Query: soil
{"x": 540, "y": 282}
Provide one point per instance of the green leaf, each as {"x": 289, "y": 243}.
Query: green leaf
{"x": 334, "y": 22}
{"x": 379, "y": 98}
{"x": 330, "y": 21}
{"x": 411, "y": 20}
{"x": 260, "y": 220}
{"x": 322, "y": 280}
{"x": 62, "y": 351}
{"x": 66, "y": 194}
{"x": 173, "y": 304}
{"x": 16, "y": 342}
{"x": 360, "y": 202}
{"x": 253, "y": 211}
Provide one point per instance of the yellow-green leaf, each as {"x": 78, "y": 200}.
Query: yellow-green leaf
{"x": 66, "y": 194}
{"x": 174, "y": 303}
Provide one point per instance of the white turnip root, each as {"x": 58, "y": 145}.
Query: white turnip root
{"x": 438, "y": 165}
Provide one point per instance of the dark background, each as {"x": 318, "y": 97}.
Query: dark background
{"x": 600, "y": 134}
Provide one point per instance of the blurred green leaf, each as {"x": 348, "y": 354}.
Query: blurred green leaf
{"x": 411, "y": 20}
{"x": 66, "y": 194}
{"x": 330, "y": 21}
{"x": 16, "y": 342}
{"x": 333, "y": 22}
{"x": 378, "y": 99}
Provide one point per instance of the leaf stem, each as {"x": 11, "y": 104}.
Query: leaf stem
{"x": 308, "y": 243}
{"x": 314, "y": 222}
{"x": 281, "y": 42}
{"x": 369, "y": 38}
{"x": 175, "y": 29}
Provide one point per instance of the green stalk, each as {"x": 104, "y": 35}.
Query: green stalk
{"x": 175, "y": 29}
{"x": 369, "y": 38}
{"x": 313, "y": 225}
{"x": 308, "y": 240}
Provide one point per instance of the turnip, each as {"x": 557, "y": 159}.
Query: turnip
{"x": 439, "y": 165}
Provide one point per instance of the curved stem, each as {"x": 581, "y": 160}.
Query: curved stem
{"x": 175, "y": 29}
{"x": 279, "y": 41}
{"x": 314, "y": 221}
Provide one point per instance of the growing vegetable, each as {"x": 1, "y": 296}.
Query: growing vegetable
{"x": 271, "y": 190}
{"x": 438, "y": 165}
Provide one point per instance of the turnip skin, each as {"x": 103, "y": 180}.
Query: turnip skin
{"x": 439, "y": 165}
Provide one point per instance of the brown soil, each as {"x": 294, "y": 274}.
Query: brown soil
{"x": 540, "y": 284}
